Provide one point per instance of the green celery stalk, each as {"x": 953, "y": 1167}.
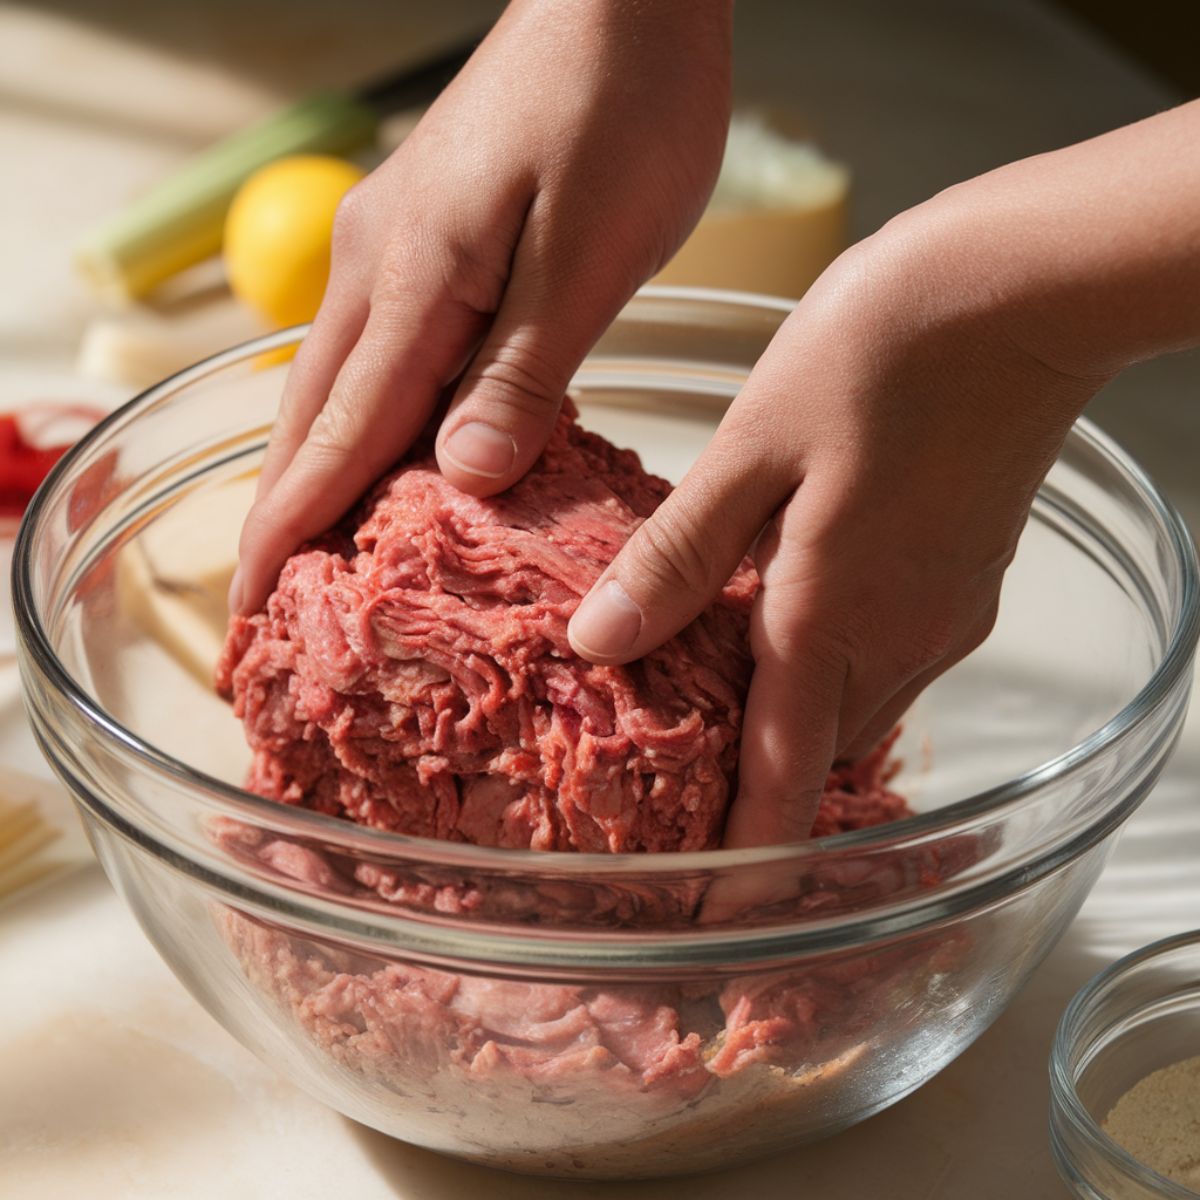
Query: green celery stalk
{"x": 179, "y": 222}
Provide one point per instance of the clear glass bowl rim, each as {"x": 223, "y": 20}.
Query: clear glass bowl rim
{"x": 1063, "y": 1095}
{"x": 922, "y": 828}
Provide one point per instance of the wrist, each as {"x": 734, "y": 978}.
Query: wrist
{"x": 925, "y": 309}
{"x": 1091, "y": 254}
{"x": 993, "y": 267}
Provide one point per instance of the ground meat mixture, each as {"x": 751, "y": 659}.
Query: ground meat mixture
{"x": 412, "y": 672}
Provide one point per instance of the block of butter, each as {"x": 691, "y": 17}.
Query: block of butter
{"x": 776, "y": 219}
{"x": 142, "y": 345}
{"x": 173, "y": 578}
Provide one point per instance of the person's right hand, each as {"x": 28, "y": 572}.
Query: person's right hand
{"x": 879, "y": 464}
{"x": 881, "y": 459}
{"x": 560, "y": 170}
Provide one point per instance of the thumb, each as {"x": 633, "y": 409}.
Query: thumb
{"x": 681, "y": 557}
{"x": 504, "y": 410}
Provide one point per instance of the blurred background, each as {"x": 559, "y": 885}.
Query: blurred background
{"x": 101, "y": 102}
{"x": 854, "y": 110}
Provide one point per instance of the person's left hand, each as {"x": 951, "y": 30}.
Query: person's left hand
{"x": 556, "y": 173}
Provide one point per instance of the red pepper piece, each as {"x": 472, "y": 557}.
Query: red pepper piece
{"x": 23, "y": 466}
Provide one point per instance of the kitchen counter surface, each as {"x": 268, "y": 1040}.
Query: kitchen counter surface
{"x": 113, "y": 1082}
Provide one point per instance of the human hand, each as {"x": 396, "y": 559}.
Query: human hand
{"x": 888, "y": 446}
{"x": 561, "y": 169}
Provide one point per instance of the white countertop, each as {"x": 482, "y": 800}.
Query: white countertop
{"x": 113, "y": 1082}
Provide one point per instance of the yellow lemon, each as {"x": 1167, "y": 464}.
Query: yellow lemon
{"x": 278, "y": 233}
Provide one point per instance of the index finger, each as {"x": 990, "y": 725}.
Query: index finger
{"x": 380, "y": 400}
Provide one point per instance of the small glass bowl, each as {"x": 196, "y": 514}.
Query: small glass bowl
{"x": 1137, "y": 1016}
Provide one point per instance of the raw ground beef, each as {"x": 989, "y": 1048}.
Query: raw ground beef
{"x": 600, "y": 1080}
{"x": 412, "y": 672}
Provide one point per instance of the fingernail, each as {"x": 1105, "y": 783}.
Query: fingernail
{"x": 481, "y": 449}
{"x": 235, "y": 592}
{"x": 607, "y": 623}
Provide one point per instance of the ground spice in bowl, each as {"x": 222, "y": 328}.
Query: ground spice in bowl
{"x": 1158, "y": 1122}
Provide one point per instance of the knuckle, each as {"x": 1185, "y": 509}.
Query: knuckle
{"x": 472, "y": 280}
{"x": 937, "y": 640}
{"x": 350, "y": 219}
{"x": 521, "y": 378}
{"x": 402, "y": 270}
{"x": 826, "y": 654}
{"x": 825, "y": 644}
{"x": 931, "y": 633}
{"x": 961, "y": 623}
{"x": 672, "y": 556}
{"x": 333, "y": 436}
{"x": 979, "y": 632}
{"x": 424, "y": 259}
{"x": 983, "y": 630}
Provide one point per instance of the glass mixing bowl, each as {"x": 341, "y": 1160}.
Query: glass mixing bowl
{"x": 562, "y": 1013}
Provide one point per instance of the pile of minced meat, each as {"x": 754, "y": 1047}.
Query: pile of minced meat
{"x": 411, "y": 672}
